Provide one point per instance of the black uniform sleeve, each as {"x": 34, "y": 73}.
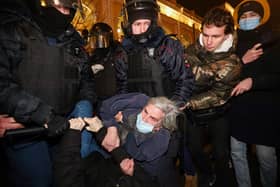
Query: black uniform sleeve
{"x": 15, "y": 101}
{"x": 121, "y": 71}
{"x": 171, "y": 56}
{"x": 269, "y": 77}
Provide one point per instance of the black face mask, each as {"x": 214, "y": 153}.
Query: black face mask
{"x": 52, "y": 22}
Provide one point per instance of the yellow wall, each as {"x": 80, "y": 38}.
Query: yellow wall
{"x": 108, "y": 11}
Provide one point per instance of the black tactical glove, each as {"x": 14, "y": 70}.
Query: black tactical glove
{"x": 57, "y": 126}
{"x": 45, "y": 116}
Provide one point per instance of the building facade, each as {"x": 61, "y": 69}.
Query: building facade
{"x": 173, "y": 18}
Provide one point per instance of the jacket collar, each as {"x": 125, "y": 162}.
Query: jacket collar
{"x": 157, "y": 37}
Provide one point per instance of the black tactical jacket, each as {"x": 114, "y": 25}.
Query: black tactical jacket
{"x": 155, "y": 68}
{"x": 35, "y": 74}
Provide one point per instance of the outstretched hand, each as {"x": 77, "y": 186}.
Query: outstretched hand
{"x": 243, "y": 86}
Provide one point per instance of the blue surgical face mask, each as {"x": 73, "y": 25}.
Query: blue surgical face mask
{"x": 249, "y": 23}
{"x": 142, "y": 126}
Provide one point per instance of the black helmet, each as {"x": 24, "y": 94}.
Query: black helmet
{"x": 139, "y": 9}
{"x": 72, "y": 4}
{"x": 64, "y": 3}
{"x": 101, "y": 35}
{"x": 44, "y": 13}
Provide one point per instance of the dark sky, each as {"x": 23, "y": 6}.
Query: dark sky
{"x": 201, "y": 6}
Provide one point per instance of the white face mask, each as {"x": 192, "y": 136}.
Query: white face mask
{"x": 142, "y": 126}
{"x": 249, "y": 23}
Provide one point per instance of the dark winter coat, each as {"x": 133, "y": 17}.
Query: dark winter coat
{"x": 94, "y": 170}
{"x": 254, "y": 115}
{"x": 155, "y": 151}
{"x": 103, "y": 66}
{"x": 39, "y": 77}
{"x": 155, "y": 68}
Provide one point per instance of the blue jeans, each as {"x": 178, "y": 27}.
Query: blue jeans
{"x": 29, "y": 164}
{"x": 267, "y": 160}
{"x": 88, "y": 144}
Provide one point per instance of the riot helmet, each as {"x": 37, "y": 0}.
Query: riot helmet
{"x": 139, "y": 9}
{"x": 76, "y": 4}
{"x": 101, "y": 35}
{"x": 50, "y": 19}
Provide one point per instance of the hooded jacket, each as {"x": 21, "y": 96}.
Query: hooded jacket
{"x": 216, "y": 73}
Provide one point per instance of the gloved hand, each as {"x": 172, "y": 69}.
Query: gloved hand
{"x": 57, "y": 125}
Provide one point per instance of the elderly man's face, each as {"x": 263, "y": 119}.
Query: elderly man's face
{"x": 140, "y": 26}
{"x": 213, "y": 37}
{"x": 152, "y": 115}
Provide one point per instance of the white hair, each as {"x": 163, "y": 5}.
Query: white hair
{"x": 170, "y": 110}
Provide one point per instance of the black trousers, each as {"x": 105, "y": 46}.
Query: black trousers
{"x": 215, "y": 132}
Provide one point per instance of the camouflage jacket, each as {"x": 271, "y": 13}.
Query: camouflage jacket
{"x": 216, "y": 73}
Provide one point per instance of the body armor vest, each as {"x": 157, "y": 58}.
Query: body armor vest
{"x": 104, "y": 74}
{"x": 146, "y": 74}
{"x": 49, "y": 72}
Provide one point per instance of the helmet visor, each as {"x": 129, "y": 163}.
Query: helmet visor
{"x": 100, "y": 40}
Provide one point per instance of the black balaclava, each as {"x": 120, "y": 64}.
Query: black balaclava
{"x": 52, "y": 22}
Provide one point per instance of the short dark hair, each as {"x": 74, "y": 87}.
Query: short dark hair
{"x": 251, "y": 6}
{"x": 219, "y": 17}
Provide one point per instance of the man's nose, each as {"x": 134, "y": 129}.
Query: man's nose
{"x": 209, "y": 40}
{"x": 142, "y": 29}
{"x": 144, "y": 118}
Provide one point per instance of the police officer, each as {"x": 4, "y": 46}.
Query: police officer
{"x": 104, "y": 49}
{"x": 102, "y": 59}
{"x": 43, "y": 74}
{"x": 152, "y": 63}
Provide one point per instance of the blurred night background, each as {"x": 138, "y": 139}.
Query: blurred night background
{"x": 201, "y": 6}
